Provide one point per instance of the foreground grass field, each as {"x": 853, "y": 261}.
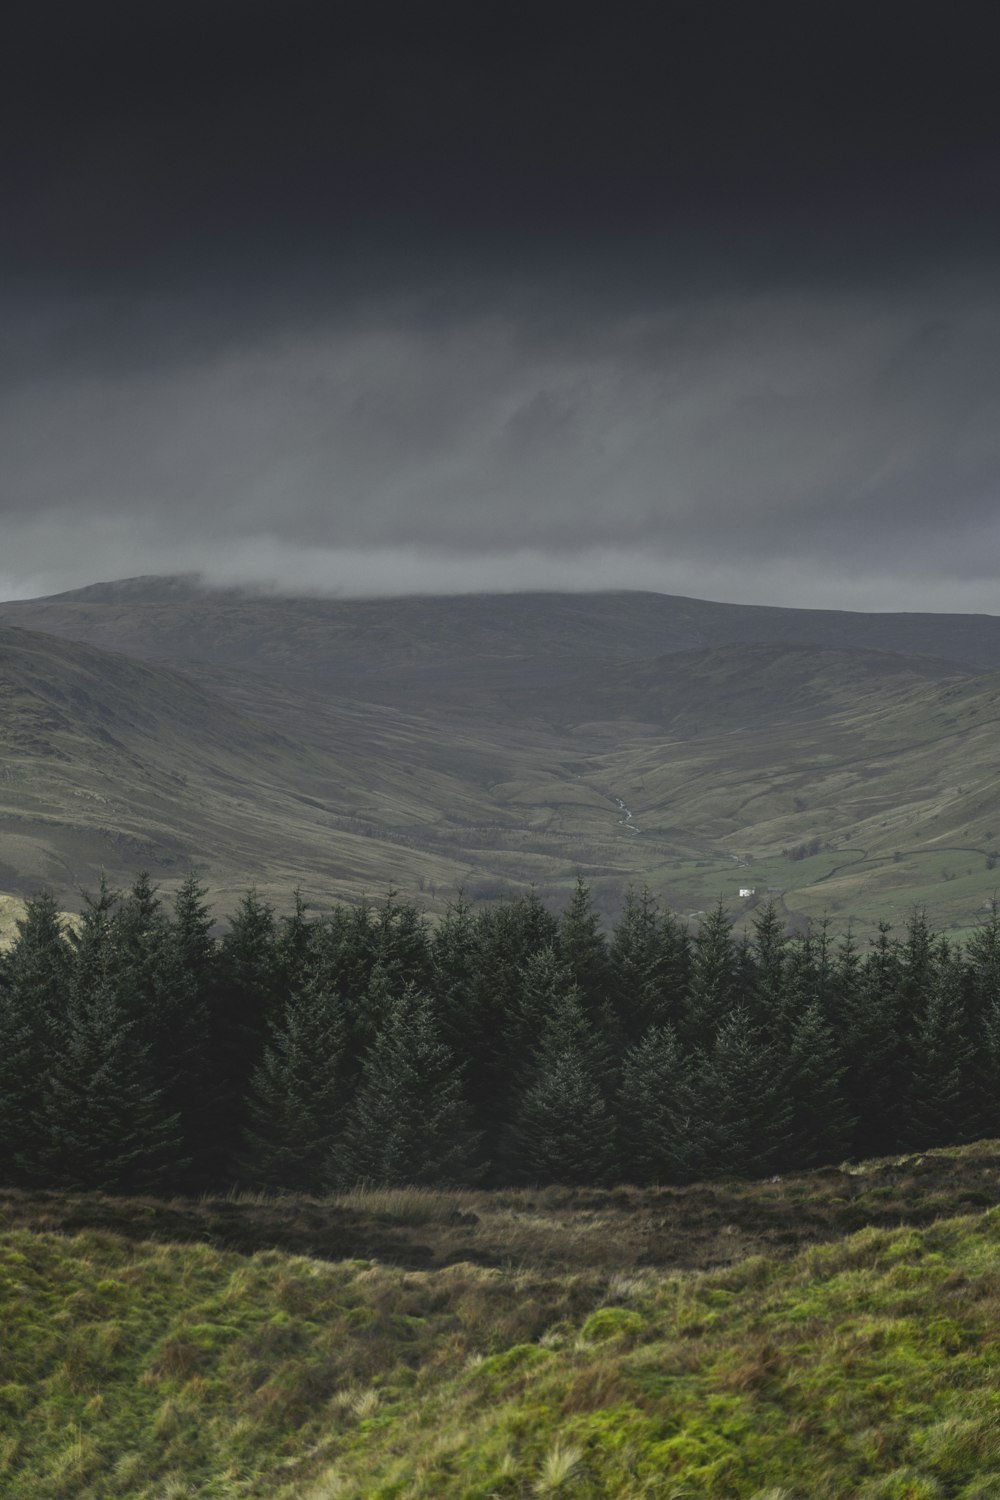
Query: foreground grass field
{"x": 865, "y": 1366}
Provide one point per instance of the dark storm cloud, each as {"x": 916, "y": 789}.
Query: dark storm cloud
{"x": 698, "y": 296}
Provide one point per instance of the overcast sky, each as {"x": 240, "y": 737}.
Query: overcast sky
{"x": 698, "y": 297}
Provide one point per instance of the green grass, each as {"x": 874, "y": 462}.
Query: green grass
{"x": 865, "y": 1367}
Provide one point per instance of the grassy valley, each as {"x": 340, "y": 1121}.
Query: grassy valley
{"x": 841, "y": 763}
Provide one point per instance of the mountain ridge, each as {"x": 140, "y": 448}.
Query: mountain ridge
{"x": 618, "y": 623}
{"x": 503, "y": 741}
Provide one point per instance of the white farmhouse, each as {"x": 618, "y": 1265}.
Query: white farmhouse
{"x": 747, "y": 890}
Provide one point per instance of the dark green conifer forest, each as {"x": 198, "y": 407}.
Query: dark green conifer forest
{"x": 503, "y": 1045}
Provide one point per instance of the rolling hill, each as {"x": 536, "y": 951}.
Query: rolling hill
{"x": 843, "y": 762}
{"x": 623, "y": 1352}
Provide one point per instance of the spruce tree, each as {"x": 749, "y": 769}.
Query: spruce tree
{"x": 877, "y": 1050}
{"x": 821, "y": 1123}
{"x": 563, "y": 1130}
{"x": 249, "y": 961}
{"x": 403, "y": 942}
{"x": 987, "y": 1059}
{"x": 917, "y": 966}
{"x": 365, "y": 1019}
{"x": 243, "y": 997}
{"x": 293, "y": 947}
{"x": 97, "y": 956}
{"x": 715, "y": 984}
{"x": 546, "y": 981}
{"x": 842, "y": 996}
{"x": 294, "y": 1101}
{"x": 648, "y": 966}
{"x": 102, "y": 1122}
{"x": 584, "y": 950}
{"x": 768, "y": 953}
{"x": 742, "y": 1101}
{"x": 983, "y": 962}
{"x": 507, "y": 936}
{"x": 455, "y": 958}
{"x": 344, "y": 952}
{"x": 34, "y": 986}
{"x": 942, "y": 1107}
{"x": 191, "y": 931}
{"x": 186, "y": 962}
{"x": 657, "y": 1105}
{"x": 408, "y": 1122}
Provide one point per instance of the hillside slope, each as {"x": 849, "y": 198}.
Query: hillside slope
{"x": 864, "y": 1367}
{"x": 109, "y": 763}
{"x": 174, "y": 619}
{"x": 500, "y": 741}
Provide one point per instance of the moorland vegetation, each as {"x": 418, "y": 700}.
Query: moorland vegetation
{"x": 865, "y": 1366}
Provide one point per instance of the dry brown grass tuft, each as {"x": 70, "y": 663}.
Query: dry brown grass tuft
{"x": 760, "y": 1365}
{"x": 599, "y": 1385}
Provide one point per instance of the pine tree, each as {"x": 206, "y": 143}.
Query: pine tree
{"x": 821, "y": 1122}
{"x": 455, "y": 957}
{"x": 186, "y": 970}
{"x": 942, "y": 1105}
{"x": 102, "y": 1122}
{"x": 715, "y": 985}
{"x": 546, "y": 982}
{"x": 987, "y": 1058}
{"x": 408, "y": 1122}
{"x": 983, "y": 961}
{"x": 293, "y": 947}
{"x": 506, "y": 938}
{"x": 243, "y": 998}
{"x": 648, "y": 958}
{"x": 584, "y": 950}
{"x": 344, "y": 951}
{"x": 34, "y": 984}
{"x": 768, "y": 954}
{"x": 191, "y": 931}
{"x": 742, "y": 1101}
{"x": 877, "y": 1050}
{"x": 403, "y": 943}
{"x": 657, "y": 1106}
{"x": 563, "y": 1130}
{"x": 294, "y": 1103}
{"x": 95, "y": 959}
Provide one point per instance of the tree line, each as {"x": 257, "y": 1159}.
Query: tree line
{"x": 504, "y": 1044}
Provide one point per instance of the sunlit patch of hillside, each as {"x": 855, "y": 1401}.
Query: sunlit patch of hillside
{"x": 11, "y": 908}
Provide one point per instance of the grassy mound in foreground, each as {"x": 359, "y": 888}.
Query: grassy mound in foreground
{"x": 868, "y": 1367}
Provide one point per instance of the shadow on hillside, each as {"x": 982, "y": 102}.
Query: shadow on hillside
{"x": 689, "y": 1228}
